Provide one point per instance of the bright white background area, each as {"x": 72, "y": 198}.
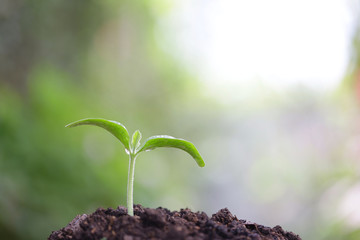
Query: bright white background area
{"x": 276, "y": 44}
{"x": 275, "y": 164}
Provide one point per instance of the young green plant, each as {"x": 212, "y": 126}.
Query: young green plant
{"x": 133, "y": 147}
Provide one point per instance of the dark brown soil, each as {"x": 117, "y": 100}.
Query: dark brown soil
{"x": 161, "y": 223}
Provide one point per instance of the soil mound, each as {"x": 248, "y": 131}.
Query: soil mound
{"x": 160, "y": 223}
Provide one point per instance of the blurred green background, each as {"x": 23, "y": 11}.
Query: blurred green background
{"x": 288, "y": 158}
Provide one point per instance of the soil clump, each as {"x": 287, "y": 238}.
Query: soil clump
{"x": 160, "y": 223}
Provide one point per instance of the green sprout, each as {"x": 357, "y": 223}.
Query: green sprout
{"x": 133, "y": 147}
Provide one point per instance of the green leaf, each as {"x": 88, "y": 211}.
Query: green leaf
{"x": 135, "y": 140}
{"x": 168, "y": 141}
{"x": 115, "y": 128}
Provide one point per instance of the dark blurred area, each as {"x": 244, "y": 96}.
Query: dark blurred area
{"x": 61, "y": 61}
{"x": 53, "y": 32}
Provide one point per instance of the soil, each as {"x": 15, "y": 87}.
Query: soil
{"x": 160, "y": 223}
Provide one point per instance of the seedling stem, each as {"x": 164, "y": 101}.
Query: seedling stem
{"x": 130, "y": 184}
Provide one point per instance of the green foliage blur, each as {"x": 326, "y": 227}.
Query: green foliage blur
{"x": 61, "y": 61}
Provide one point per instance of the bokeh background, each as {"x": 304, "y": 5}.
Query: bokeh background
{"x": 269, "y": 92}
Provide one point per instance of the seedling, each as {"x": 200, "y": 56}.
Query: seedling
{"x": 133, "y": 147}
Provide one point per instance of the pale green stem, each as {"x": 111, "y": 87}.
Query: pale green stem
{"x": 130, "y": 184}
